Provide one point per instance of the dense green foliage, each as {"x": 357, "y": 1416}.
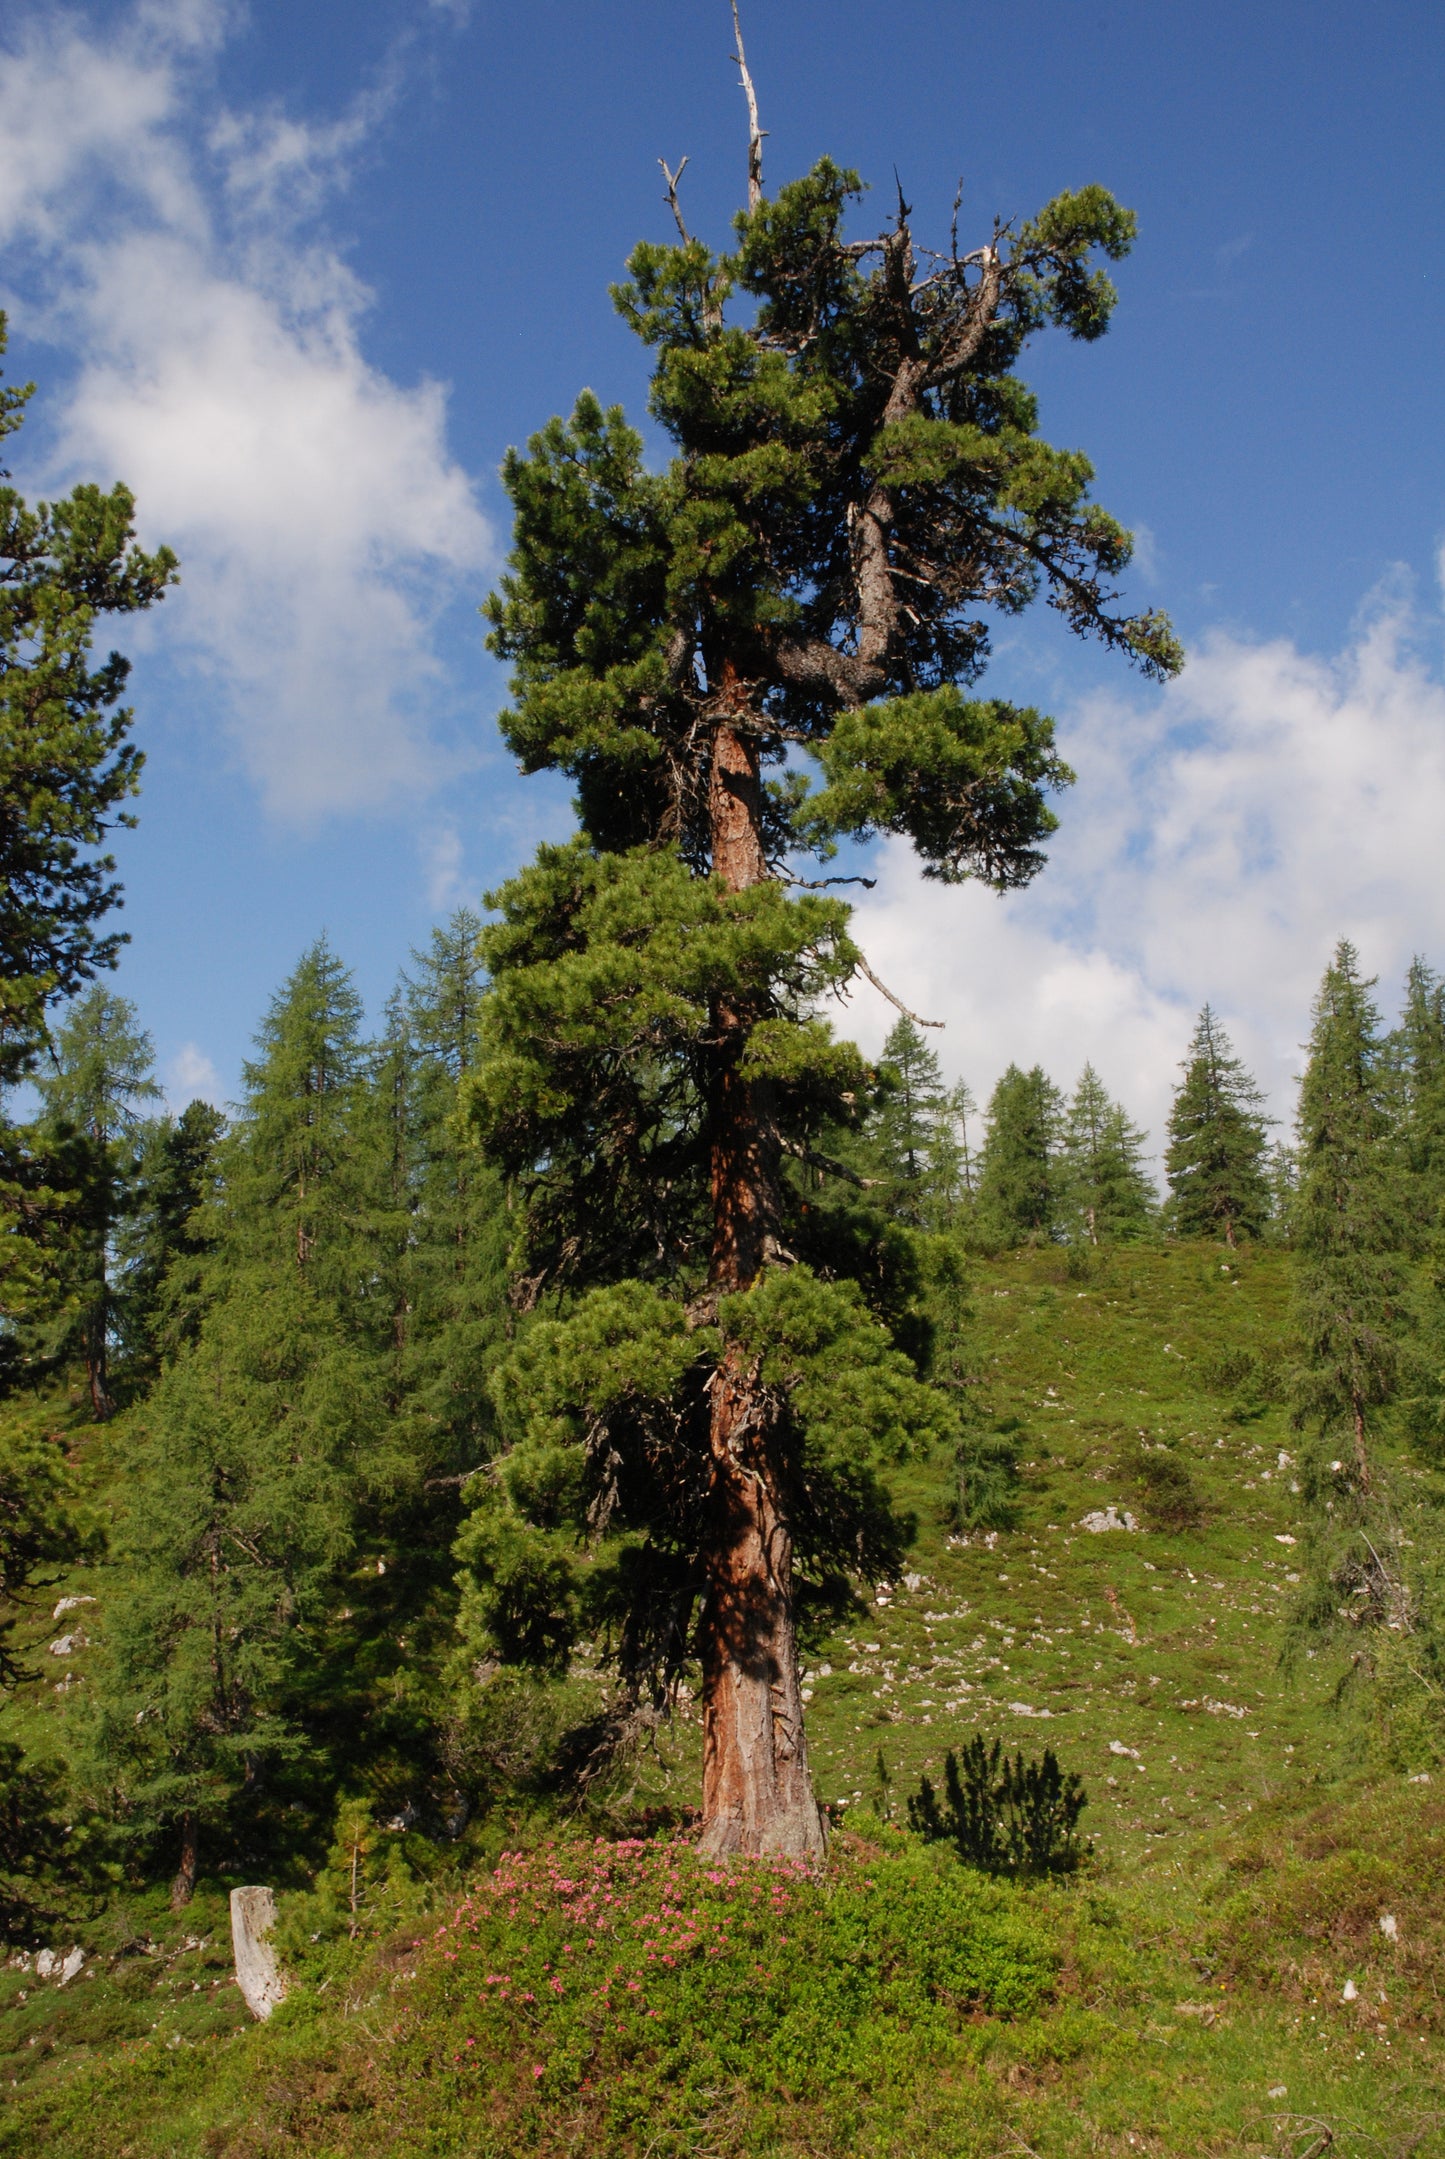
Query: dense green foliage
{"x": 1196, "y": 1963}
{"x": 1003, "y": 1815}
{"x": 740, "y": 660}
{"x": 66, "y": 763}
{"x": 1217, "y": 1143}
{"x": 1348, "y": 1218}
{"x": 1020, "y": 1184}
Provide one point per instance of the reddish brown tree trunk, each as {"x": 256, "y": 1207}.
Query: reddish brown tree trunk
{"x": 757, "y": 1793}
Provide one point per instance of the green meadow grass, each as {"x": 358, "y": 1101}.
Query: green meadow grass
{"x": 1216, "y": 1981}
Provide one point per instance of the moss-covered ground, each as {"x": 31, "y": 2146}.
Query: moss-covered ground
{"x": 1250, "y": 1963}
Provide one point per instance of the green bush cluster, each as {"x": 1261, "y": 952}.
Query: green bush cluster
{"x": 1005, "y": 1816}
{"x": 600, "y": 1966}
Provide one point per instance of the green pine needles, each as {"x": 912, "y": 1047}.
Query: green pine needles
{"x": 742, "y": 660}
{"x": 1217, "y": 1154}
{"x": 1004, "y": 1816}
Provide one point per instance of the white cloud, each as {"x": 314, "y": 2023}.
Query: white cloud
{"x": 443, "y": 860}
{"x": 1224, "y": 834}
{"x": 320, "y": 519}
{"x": 188, "y": 1075}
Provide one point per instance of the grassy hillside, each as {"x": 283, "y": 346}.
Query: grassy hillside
{"x": 1218, "y": 1980}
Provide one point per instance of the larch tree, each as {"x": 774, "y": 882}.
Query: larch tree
{"x": 97, "y": 1087}
{"x": 953, "y": 1166}
{"x": 245, "y": 1476}
{"x": 1217, "y": 1157}
{"x": 1348, "y": 1219}
{"x": 457, "y": 1277}
{"x": 1021, "y": 1171}
{"x": 912, "y": 1109}
{"x": 1417, "y": 1056}
{"x": 857, "y": 487}
{"x": 163, "y": 1244}
{"x": 1107, "y": 1194}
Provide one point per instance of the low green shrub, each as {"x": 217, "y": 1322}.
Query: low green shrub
{"x": 1006, "y": 1817}
{"x": 1167, "y": 1492}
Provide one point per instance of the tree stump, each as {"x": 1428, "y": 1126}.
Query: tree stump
{"x": 253, "y": 1914}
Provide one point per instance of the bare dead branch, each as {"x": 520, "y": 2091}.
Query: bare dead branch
{"x": 820, "y": 884}
{"x": 884, "y": 991}
{"x": 811, "y": 1159}
{"x": 672, "y": 179}
{"x": 755, "y": 133}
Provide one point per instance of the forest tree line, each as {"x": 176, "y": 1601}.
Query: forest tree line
{"x": 291, "y": 1328}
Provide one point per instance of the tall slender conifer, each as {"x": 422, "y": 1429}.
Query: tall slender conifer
{"x": 1349, "y": 1223}
{"x": 1216, "y": 1160}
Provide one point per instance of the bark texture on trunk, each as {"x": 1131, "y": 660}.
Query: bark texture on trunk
{"x": 757, "y": 1792}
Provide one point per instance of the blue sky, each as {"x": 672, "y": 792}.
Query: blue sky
{"x": 301, "y": 272}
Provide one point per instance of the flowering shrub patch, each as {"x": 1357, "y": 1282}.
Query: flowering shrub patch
{"x": 622, "y": 1966}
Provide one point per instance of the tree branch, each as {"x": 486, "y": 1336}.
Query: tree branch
{"x": 672, "y": 179}
{"x": 819, "y": 884}
{"x": 883, "y": 989}
{"x": 755, "y": 133}
{"x": 826, "y": 1163}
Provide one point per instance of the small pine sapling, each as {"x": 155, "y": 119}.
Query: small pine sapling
{"x": 1004, "y": 1816}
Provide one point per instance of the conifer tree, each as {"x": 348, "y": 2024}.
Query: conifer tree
{"x": 908, "y": 1122}
{"x": 67, "y": 767}
{"x": 245, "y": 1475}
{"x": 1108, "y": 1198}
{"x": 66, "y": 763}
{"x": 953, "y": 1168}
{"x": 1020, "y": 1182}
{"x": 1417, "y": 1053}
{"x": 857, "y": 480}
{"x": 1216, "y": 1160}
{"x": 163, "y": 1243}
{"x": 1348, "y": 1221}
{"x": 294, "y": 1181}
{"x": 95, "y": 1089}
{"x": 458, "y": 1275}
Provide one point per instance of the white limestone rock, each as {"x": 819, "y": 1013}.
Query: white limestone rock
{"x": 1104, "y": 1518}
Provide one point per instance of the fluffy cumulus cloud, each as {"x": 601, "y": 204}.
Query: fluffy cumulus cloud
{"x": 188, "y": 1076}
{"x": 320, "y": 518}
{"x": 1223, "y": 835}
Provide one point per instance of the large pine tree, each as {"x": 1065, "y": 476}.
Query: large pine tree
{"x": 67, "y": 765}
{"x": 857, "y": 486}
{"x": 1217, "y": 1157}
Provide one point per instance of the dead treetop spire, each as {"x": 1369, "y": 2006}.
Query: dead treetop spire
{"x": 755, "y": 133}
